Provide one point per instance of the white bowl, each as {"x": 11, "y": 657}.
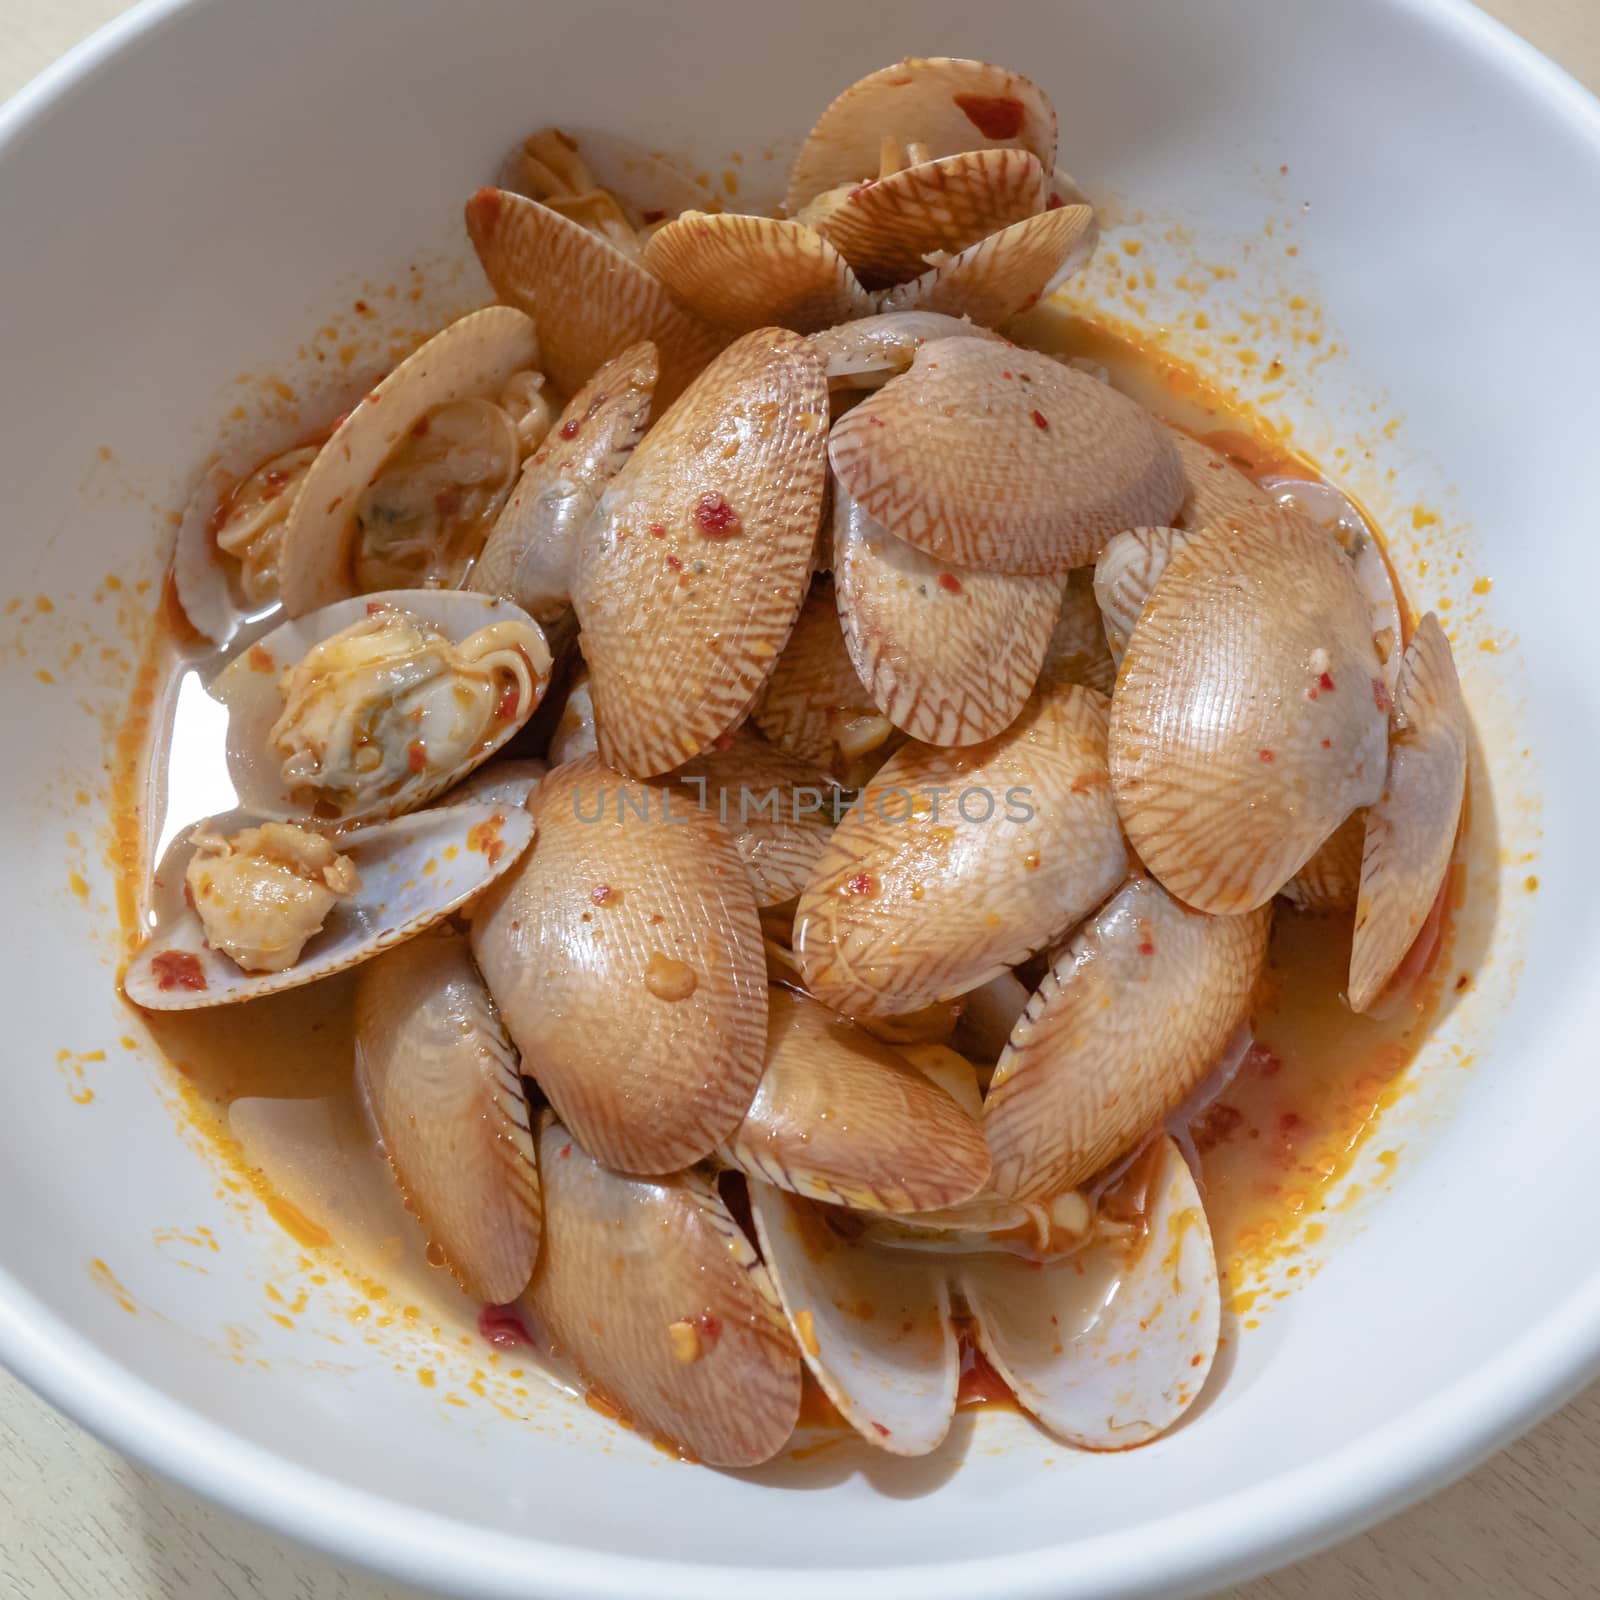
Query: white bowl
{"x": 192, "y": 194}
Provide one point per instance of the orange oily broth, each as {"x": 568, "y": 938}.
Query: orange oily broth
{"x": 1285, "y": 1135}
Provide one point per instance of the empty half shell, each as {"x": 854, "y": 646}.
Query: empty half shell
{"x": 625, "y": 956}
{"x": 1249, "y": 718}
{"x": 948, "y": 654}
{"x": 866, "y": 353}
{"x": 1128, "y": 1020}
{"x": 699, "y": 555}
{"x": 444, "y": 1087}
{"x": 1411, "y": 831}
{"x": 955, "y": 865}
{"x": 652, "y": 1290}
{"x": 1127, "y": 570}
{"x": 990, "y": 456}
{"x": 413, "y": 873}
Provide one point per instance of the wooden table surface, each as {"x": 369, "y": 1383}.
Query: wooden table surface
{"x": 77, "y": 1522}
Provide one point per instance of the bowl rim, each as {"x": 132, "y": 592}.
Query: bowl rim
{"x": 1231, "y": 1539}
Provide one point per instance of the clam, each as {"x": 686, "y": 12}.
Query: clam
{"x": 866, "y": 353}
{"x": 1249, "y": 717}
{"x": 444, "y": 1087}
{"x": 942, "y": 105}
{"x": 889, "y": 227}
{"x": 411, "y": 873}
{"x": 815, "y": 706}
{"x": 371, "y": 706}
{"x": 1127, "y": 570}
{"x": 955, "y": 865}
{"x": 1108, "y": 1350}
{"x": 500, "y": 783}
{"x": 625, "y": 956}
{"x": 533, "y": 547}
{"x": 404, "y": 492}
{"x": 1331, "y": 879}
{"x": 1077, "y": 650}
{"x": 994, "y": 457}
{"x": 1214, "y": 490}
{"x": 588, "y": 299}
{"x": 840, "y": 1117}
{"x": 988, "y": 1014}
{"x": 1130, "y": 1017}
{"x": 745, "y": 272}
{"x": 1411, "y": 830}
{"x": 658, "y": 1298}
{"x": 696, "y": 563}
{"x": 948, "y": 654}
{"x": 547, "y": 167}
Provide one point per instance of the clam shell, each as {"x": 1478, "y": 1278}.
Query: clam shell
{"x": 445, "y": 1089}
{"x": 745, "y": 272}
{"x": 1214, "y": 490}
{"x": 1006, "y": 274}
{"x": 904, "y": 911}
{"x": 988, "y": 1014}
{"x": 995, "y": 457}
{"x": 500, "y": 783}
{"x": 1104, "y": 1350}
{"x": 1411, "y": 831}
{"x": 1077, "y": 651}
{"x": 1128, "y": 1020}
{"x": 886, "y": 228}
{"x": 948, "y": 104}
{"x": 532, "y": 551}
{"x": 664, "y": 1306}
{"x": 575, "y": 735}
{"x": 697, "y": 559}
{"x": 589, "y": 301}
{"x": 866, "y": 353}
{"x": 948, "y": 654}
{"x": 414, "y": 872}
{"x": 471, "y": 358}
{"x": 1248, "y": 719}
{"x": 948, "y": 1068}
{"x": 625, "y": 956}
{"x": 841, "y": 1118}
{"x": 1331, "y": 879}
{"x": 248, "y": 687}
{"x": 1127, "y": 570}
{"x": 873, "y": 1325}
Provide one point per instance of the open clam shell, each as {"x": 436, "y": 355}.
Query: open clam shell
{"x": 948, "y": 654}
{"x": 1214, "y": 490}
{"x": 660, "y": 1300}
{"x": 445, "y": 1089}
{"x": 533, "y": 548}
{"x": 250, "y": 686}
{"x": 1127, "y": 570}
{"x": 588, "y": 300}
{"x": 625, "y": 956}
{"x": 1411, "y": 831}
{"x": 945, "y": 104}
{"x": 1128, "y": 1020}
{"x": 887, "y": 228}
{"x": 1009, "y": 272}
{"x": 1249, "y": 718}
{"x": 414, "y": 872}
{"x": 698, "y": 557}
{"x": 745, "y": 272}
{"x": 873, "y": 1325}
{"x": 840, "y": 1117}
{"x": 473, "y": 357}
{"x": 866, "y": 353}
{"x": 995, "y": 457}
{"x": 955, "y": 865}
{"x": 1077, "y": 651}
{"x": 1109, "y": 1349}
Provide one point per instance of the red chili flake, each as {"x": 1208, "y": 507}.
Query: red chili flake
{"x": 948, "y": 580}
{"x": 177, "y": 969}
{"x": 674, "y": 562}
{"x": 375, "y": 608}
{"x": 709, "y": 1328}
{"x": 1197, "y": 1358}
{"x": 566, "y": 1150}
{"x": 1146, "y": 948}
{"x": 656, "y": 531}
{"x": 1267, "y": 756}
{"x": 881, "y": 1429}
{"x": 601, "y": 894}
{"x": 861, "y": 883}
{"x": 569, "y": 428}
{"x": 1325, "y": 681}
{"x": 1214, "y": 1124}
{"x": 484, "y": 837}
{"x": 1327, "y": 744}
{"x": 447, "y": 502}
{"x": 1055, "y": 202}
{"x": 717, "y": 519}
{"x": 723, "y": 741}
{"x": 995, "y": 116}
{"x": 655, "y": 917}
{"x": 484, "y": 208}
{"x": 363, "y": 308}
{"x": 260, "y": 659}
{"x": 1006, "y": 374}
{"x": 1040, "y": 423}
{"x": 1380, "y": 694}
{"x": 655, "y": 216}
{"x": 417, "y": 756}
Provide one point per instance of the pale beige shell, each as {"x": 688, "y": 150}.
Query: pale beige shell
{"x": 658, "y": 1298}
{"x": 1214, "y": 490}
{"x": 625, "y": 956}
{"x": 840, "y": 1117}
{"x": 888, "y": 228}
{"x": 695, "y": 565}
{"x": 946, "y": 104}
{"x": 1006, "y": 274}
{"x": 743, "y": 272}
{"x": 948, "y": 654}
{"x": 445, "y": 1089}
{"x": 1249, "y": 715}
{"x": 1130, "y": 1017}
{"x": 589, "y": 301}
{"x": 1127, "y": 570}
{"x": 866, "y": 353}
{"x": 1331, "y": 879}
{"x": 1077, "y": 650}
{"x": 1411, "y": 831}
{"x": 474, "y": 356}
{"x": 991, "y": 456}
{"x": 1008, "y": 845}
